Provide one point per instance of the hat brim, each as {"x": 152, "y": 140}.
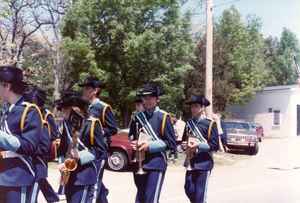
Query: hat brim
{"x": 71, "y": 102}
{"x": 206, "y": 103}
{"x": 102, "y": 86}
{"x": 86, "y": 84}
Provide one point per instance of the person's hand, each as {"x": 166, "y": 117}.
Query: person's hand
{"x": 75, "y": 154}
{"x": 56, "y": 142}
{"x": 61, "y": 167}
{"x": 184, "y": 144}
{"x": 144, "y": 147}
{"x": 194, "y": 145}
{"x": 133, "y": 144}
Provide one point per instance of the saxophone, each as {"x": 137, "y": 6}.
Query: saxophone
{"x": 70, "y": 163}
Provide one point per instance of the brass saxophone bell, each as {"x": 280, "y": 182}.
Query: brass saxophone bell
{"x": 71, "y": 164}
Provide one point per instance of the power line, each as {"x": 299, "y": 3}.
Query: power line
{"x": 226, "y": 3}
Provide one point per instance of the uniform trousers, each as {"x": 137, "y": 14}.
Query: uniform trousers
{"x": 196, "y": 183}
{"x": 101, "y": 191}
{"x": 148, "y": 185}
{"x": 79, "y": 193}
{"x": 48, "y": 191}
{"x": 15, "y": 194}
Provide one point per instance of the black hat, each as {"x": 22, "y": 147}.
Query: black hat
{"x": 71, "y": 98}
{"x": 138, "y": 99}
{"x": 199, "y": 99}
{"x": 152, "y": 90}
{"x": 37, "y": 97}
{"x": 11, "y": 75}
{"x": 93, "y": 82}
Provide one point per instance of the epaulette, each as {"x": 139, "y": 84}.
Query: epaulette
{"x": 162, "y": 111}
{"x": 103, "y": 113}
{"x": 49, "y": 114}
{"x": 47, "y": 124}
{"x": 210, "y": 126}
{"x": 94, "y": 120}
{"x": 28, "y": 106}
{"x": 164, "y": 122}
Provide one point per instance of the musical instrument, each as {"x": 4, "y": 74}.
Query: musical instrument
{"x": 70, "y": 163}
{"x": 76, "y": 121}
{"x": 189, "y": 150}
{"x": 140, "y": 156}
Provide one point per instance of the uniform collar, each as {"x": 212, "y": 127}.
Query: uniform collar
{"x": 17, "y": 102}
{"x": 153, "y": 111}
{"x": 200, "y": 119}
{"x": 95, "y": 102}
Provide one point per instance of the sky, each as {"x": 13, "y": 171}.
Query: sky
{"x": 274, "y": 14}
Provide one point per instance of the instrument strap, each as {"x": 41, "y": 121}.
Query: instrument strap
{"x": 195, "y": 129}
{"x": 145, "y": 123}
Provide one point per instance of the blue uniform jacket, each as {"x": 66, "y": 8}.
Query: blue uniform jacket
{"x": 43, "y": 151}
{"x": 203, "y": 158}
{"x": 91, "y": 149}
{"x": 52, "y": 124}
{"x": 107, "y": 119}
{"x": 20, "y": 171}
{"x": 155, "y": 158}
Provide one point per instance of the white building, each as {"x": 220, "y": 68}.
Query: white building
{"x": 277, "y": 109}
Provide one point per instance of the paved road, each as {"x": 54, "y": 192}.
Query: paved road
{"x": 273, "y": 175}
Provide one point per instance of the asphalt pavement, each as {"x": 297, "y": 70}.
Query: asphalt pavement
{"x": 273, "y": 175}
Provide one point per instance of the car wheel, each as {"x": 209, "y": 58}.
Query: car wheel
{"x": 254, "y": 150}
{"x": 179, "y": 149}
{"x": 118, "y": 160}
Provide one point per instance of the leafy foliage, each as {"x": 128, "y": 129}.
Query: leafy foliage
{"x": 238, "y": 61}
{"x": 281, "y": 59}
{"x": 129, "y": 44}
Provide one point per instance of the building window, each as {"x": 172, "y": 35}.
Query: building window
{"x": 276, "y": 117}
{"x": 270, "y": 110}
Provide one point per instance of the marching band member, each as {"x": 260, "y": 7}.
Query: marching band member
{"x": 80, "y": 187}
{"x": 206, "y": 140}
{"x": 92, "y": 87}
{"x": 158, "y": 125}
{"x": 20, "y": 135}
{"x": 38, "y": 97}
{"x": 139, "y": 103}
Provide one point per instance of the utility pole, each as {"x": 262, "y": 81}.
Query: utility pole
{"x": 209, "y": 57}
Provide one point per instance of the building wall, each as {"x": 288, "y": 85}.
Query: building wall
{"x": 257, "y": 110}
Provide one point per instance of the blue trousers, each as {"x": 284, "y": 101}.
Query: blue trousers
{"x": 15, "y": 194}
{"x": 48, "y": 191}
{"x": 101, "y": 190}
{"x": 148, "y": 185}
{"x": 196, "y": 183}
{"x": 79, "y": 193}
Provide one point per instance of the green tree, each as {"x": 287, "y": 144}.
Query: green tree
{"x": 238, "y": 62}
{"x": 282, "y": 69}
{"x": 129, "y": 44}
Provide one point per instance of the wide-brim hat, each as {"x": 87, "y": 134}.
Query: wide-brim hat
{"x": 152, "y": 90}
{"x": 71, "y": 98}
{"x": 199, "y": 99}
{"x": 138, "y": 99}
{"x": 11, "y": 75}
{"x": 93, "y": 82}
{"x": 37, "y": 97}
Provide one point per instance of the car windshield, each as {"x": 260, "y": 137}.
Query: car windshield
{"x": 252, "y": 125}
{"x": 237, "y": 125}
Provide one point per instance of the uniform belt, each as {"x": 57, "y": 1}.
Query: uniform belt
{"x": 10, "y": 154}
